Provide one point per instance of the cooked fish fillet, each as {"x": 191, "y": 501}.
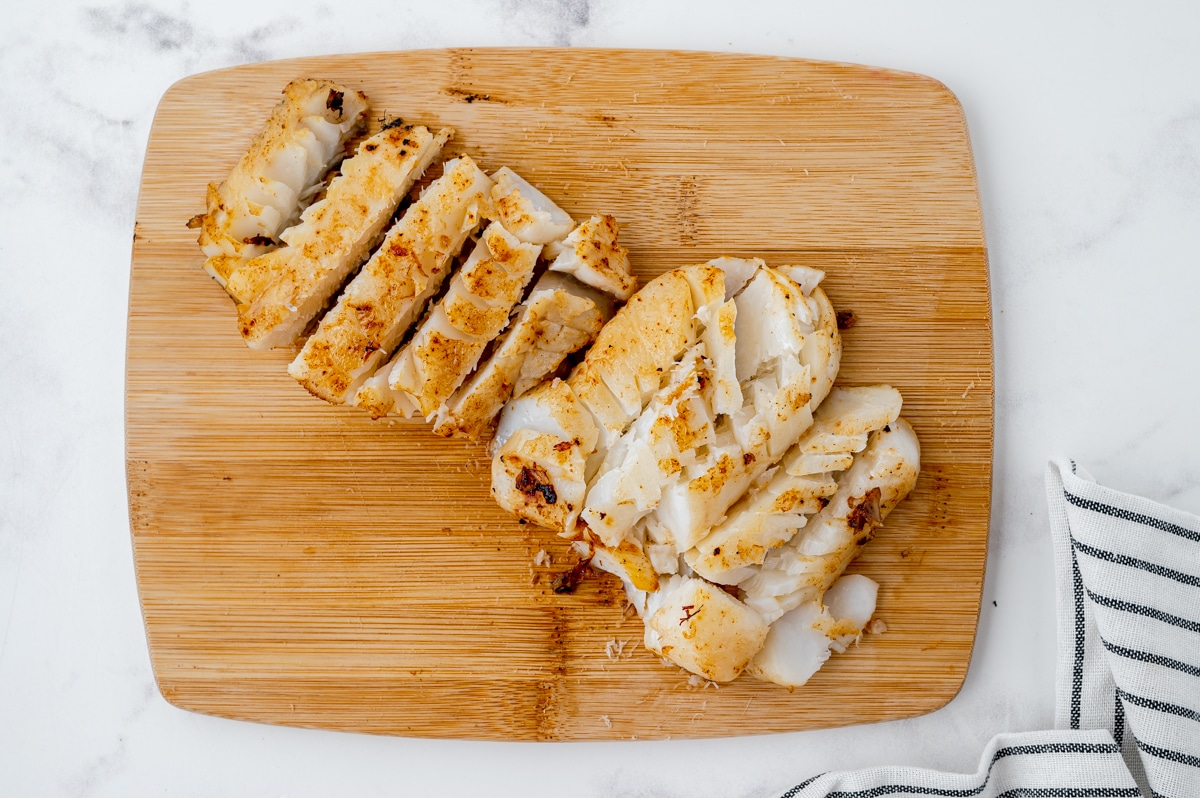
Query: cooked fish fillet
{"x": 526, "y": 212}
{"x": 540, "y": 450}
{"x": 384, "y": 299}
{"x": 703, "y": 629}
{"x": 283, "y": 290}
{"x": 766, "y": 518}
{"x": 634, "y": 352}
{"x": 303, "y": 138}
{"x": 682, "y": 463}
{"x": 653, "y": 452}
{"x": 800, "y": 642}
{"x": 560, "y": 317}
{"x": 591, "y": 253}
{"x": 701, "y": 469}
{"x": 786, "y": 357}
{"x": 803, "y": 568}
{"x": 448, "y": 344}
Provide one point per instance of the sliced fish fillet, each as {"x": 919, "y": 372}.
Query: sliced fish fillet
{"x": 272, "y": 182}
{"x": 591, "y": 253}
{"x": 282, "y": 291}
{"x": 560, "y": 317}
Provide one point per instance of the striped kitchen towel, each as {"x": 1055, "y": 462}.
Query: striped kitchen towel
{"x": 1128, "y": 692}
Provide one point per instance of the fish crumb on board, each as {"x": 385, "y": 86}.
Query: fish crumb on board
{"x": 615, "y": 648}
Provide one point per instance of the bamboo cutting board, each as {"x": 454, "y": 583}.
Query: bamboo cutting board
{"x": 300, "y": 564}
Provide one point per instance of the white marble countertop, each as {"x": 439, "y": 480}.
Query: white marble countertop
{"x": 1085, "y": 120}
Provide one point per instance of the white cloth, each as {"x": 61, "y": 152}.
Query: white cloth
{"x": 1128, "y": 692}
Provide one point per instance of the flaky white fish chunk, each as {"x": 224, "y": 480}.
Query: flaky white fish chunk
{"x": 538, "y": 476}
{"x": 591, "y": 253}
{"x": 559, "y": 317}
{"x": 551, "y": 408}
{"x": 768, "y": 517}
{"x": 774, "y": 324}
{"x": 654, "y": 451}
{"x": 720, "y": 341}
{"x": 800, "y": 642}
{"x": 704, "y": 630}
{"x": 806, "y": 277}
{"x": 634, "y": 353}
{"x": 271, "y": 183}
{"x": 738, "y": 272}
{"x": 787, "y": 351}
{"x": 628, "y": 561}
{"x": 570, "y": 323}
{"x": 629, "y": 362}
{"x": 803, "y": 568}
{"x": 539, "y": 454}
{"x": 282, "y": 291}
{"x": 526, "y": 212}
{"x": 762, "y": 520}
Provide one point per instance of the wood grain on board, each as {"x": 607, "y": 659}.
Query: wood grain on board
{"x": 301, "y": 564}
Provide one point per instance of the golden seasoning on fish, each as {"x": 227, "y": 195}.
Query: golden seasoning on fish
{"x": 704, "y": 630}
{"x": 591, "y": 253}
{"x": 560, "y": 317}
{"x": 628, "y": 363}
{"x": 282, "y": 169}
{"x": 769, "y": 516}
{"x": 803, "y": 569}
{"x": 526, "y": 212}
{"x": 661, "y": 443}
{"x": 528, "y": 217}
{"x": 282, "y": 291}
{"x": 539, "y": 455}
{"x": 538, "y": 343}
{"x": 448, "y": 344}
{"x": 785, "y": 354}
{"x": 634, "y": 352}
{"x": 387, "y": 295}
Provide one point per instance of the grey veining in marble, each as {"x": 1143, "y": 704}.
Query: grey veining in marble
{"x": 1085, "y": 120}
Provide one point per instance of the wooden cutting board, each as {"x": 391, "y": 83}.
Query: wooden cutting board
{"x": 301, "y": 564}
